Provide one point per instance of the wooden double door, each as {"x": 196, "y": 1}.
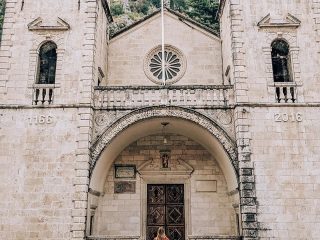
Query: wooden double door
{"x": 165, "y": 208}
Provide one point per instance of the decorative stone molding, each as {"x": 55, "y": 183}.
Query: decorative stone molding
{"x": 131, "y": 97}
{"x": 153, "y": 168}
{"x": 224, "y": 117}
{"x": 175, "y": 65}
{"x": 105, "y": 118}
{"x": 290, "y": 22}
{"x": 40, "y": 39}
{"x": 36, "y": 25}
{"x": 158, "y": 112}
{"x": 291, "y": 38}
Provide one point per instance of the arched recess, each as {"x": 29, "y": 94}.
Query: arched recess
{"x": 147, "y": 121}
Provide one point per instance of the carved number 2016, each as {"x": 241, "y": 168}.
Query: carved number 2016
{"x": 285, "y": 117}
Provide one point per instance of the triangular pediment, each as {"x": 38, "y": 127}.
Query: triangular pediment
{"x": 167, "y": 13}
{"x": 155, "y": 167}
{"x": 288, "y": 21}
{"x": 37, "y": 25}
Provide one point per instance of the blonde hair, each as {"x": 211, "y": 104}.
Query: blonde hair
{"x": 160, "y": 233}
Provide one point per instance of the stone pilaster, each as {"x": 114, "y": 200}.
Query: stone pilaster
{"x": 85, "y": 118}
{"x": 81, "y": 180}
{"x": 248, "y": 207}
{"x": 6, "y": 44}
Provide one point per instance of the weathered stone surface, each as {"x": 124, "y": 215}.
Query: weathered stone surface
{"x": 47, "y": 152}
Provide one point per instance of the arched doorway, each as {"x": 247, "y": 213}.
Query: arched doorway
{"x": 202, "y": 164}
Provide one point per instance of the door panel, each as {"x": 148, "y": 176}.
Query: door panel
{"x": 166, "y": 209}
{"x": 156, "y": 215}
{"x": 175, "y": 194}
{"x": 156, "y": 194}
{"x": 151, "y": 232}
{"x": 175, "y": 215}
{"x": 175, "y": 232}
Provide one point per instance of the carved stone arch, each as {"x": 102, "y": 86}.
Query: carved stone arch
{"x": 140, "y": 115}
{"x": 289, "y": 37}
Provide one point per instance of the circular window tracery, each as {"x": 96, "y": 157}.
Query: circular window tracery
{"x": 175, "y": 65}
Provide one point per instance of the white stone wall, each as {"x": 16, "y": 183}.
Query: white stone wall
{"x": 101, "y": 53}
{"x": 128, "y": 50}
{"x": 286, "y": 159}
{"x": 37, "y": 173}
{"x": 212, "y": 213}
{"x": 20, "y": 47}
{"x": 279, "y": 142}
{"x": 225, "y": 29}
{"x": 53, "y": 156}
{"x": 303, "y": 40}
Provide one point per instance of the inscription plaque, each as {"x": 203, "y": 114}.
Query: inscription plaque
{"x": 125, "y": 171}
{"x": 125, "y": 187}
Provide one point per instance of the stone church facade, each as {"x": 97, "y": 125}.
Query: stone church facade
{"x": 94, "y": 146}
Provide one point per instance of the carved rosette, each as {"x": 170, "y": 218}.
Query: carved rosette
{"x": 103, "y": 120}
{"x": 175, "y": 64}
{"x": 156, "y": 112}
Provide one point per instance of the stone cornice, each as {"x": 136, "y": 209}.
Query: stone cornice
{"x": 77, "y": 106}
{"x": 36, "y": 25}
{"x": 290, "y": 22}
{"x": 106, "y": 9}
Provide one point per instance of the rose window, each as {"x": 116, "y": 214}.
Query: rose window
{"x": 175, "y": 65}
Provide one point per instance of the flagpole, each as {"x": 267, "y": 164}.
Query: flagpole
{"x": 162, "y": 44}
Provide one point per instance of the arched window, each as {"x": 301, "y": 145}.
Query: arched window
{"x": 47, "y": 63}
{"x": 281, "y": 61}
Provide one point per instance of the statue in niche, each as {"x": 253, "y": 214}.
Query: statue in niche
{"x": 165, "y": 160}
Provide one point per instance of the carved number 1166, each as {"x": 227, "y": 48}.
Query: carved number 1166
{"x": 41, "y": 119}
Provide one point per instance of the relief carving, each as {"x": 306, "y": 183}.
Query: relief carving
{"x": 224, "y": 117}
{"x": 103, "y": 120}
{"x": 153, "y": 112}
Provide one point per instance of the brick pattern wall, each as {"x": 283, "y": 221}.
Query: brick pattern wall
{"x": 37, "y": 170}
{"x": 286, "y": 159}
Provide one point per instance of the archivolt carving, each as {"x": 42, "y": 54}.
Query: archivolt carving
{"x": 103, "y": 120}
{"x": 156, "y": 112}
{"x": 223, "y": 117}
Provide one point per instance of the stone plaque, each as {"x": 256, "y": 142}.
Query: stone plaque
{"x": 125, "y": 171}
{"x": 206, "y": 186}
{"x": 125, "y": 187}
